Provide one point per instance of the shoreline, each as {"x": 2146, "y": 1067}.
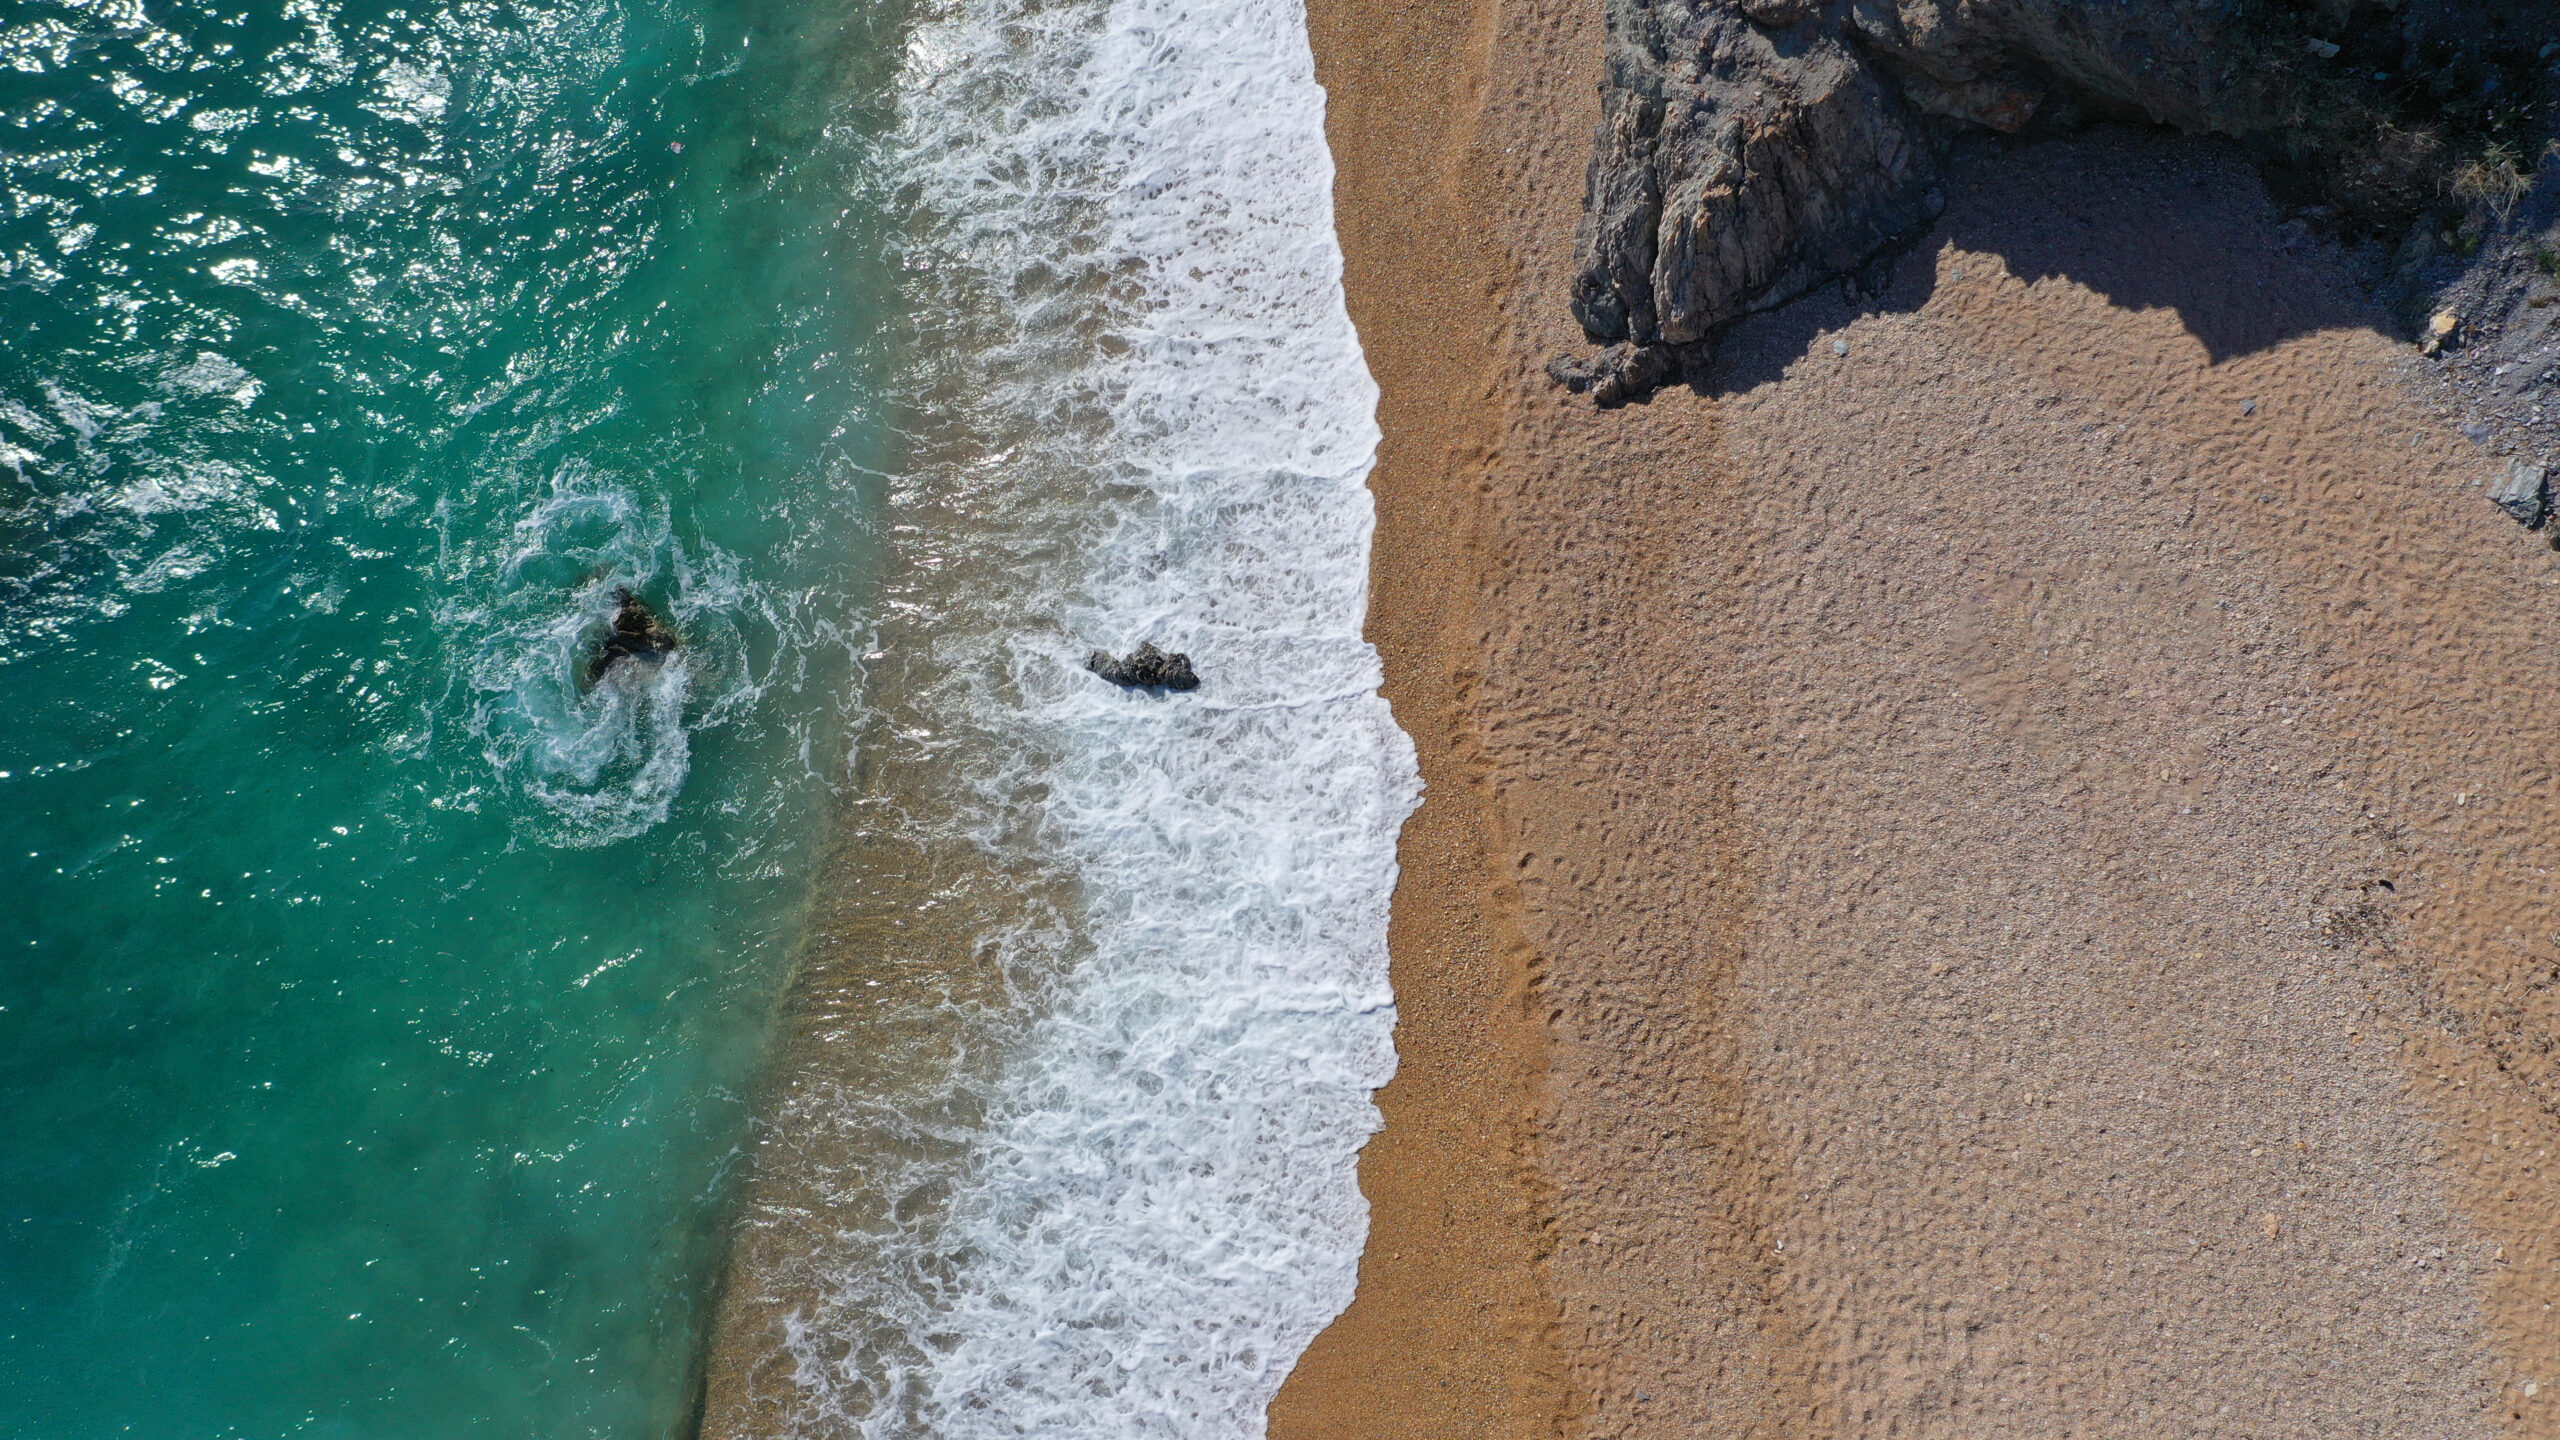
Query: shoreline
{"x": 1078, "y": 941}
{"x": 1460, "y": 1229}
{"x": 2056, "y": 914}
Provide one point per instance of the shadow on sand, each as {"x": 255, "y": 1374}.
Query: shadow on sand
{"x": 2148, "y": 220}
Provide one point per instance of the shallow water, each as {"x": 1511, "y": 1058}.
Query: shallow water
{"x": 1083, "y": 1063}
{"x": 382, "y": 1007}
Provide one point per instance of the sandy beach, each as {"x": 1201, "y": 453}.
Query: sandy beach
{"x": 1985, "y": 869}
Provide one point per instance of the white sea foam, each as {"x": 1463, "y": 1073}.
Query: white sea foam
{"x": 1144, "y": 417}
{"x": 411, "y": 94}
{"x": 213, "y": 374}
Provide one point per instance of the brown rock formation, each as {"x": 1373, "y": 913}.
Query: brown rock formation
{"x": 1752, "y": 149}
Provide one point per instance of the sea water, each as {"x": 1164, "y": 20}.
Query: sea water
{"x": 380, "y": 1006}
{"x": 386, "y": 1011}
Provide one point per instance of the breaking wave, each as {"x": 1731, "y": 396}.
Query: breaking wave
{"x": 1083, "y": 1159}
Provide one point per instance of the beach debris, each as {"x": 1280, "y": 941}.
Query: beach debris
{"x": 2248, "y": 407}
{"x": 2440, "y": 331}
{"x": 1146, "y": 668}
{"x": 2272, "y": 1224}
{"x": 1839, "y": 347}
{"x": 638, "y": 636}
{"x": 2524, "y": 492}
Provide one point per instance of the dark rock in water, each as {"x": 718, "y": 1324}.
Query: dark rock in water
{"x": 638, "y": 635}
{"x": 1750, "y": 150}
{"x": 1145, "y": 666}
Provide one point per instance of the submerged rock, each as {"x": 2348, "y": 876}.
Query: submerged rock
{"x": 638, "y": 636}
{"x": 1145, "y": 667}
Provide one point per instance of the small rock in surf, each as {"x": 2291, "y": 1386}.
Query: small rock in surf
{"x": 1146, "y": 667}
{"x": 638, "y": 636}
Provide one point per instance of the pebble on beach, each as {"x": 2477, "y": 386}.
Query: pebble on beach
{"x": 2521, "y": 492}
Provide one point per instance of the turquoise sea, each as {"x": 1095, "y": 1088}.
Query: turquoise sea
{"x": 379, "y": 1009}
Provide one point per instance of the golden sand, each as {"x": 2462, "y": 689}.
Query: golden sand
{"x": 1984, "y": 873}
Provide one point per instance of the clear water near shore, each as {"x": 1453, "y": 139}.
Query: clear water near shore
{"x": 380, "y": 1008}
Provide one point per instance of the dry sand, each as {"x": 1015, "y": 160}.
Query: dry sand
{"x": 1990, "y": 883}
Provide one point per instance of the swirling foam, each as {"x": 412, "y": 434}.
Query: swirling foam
{"x": 599, "y": 762}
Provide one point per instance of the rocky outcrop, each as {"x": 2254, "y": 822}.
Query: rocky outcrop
{"x": 1145, "y": 668}
{"x": 1752, "y": 149}
{"x": 638, "y": 637}
{"x": 1737, "y": 165}
{"x": 2483, "y": 299}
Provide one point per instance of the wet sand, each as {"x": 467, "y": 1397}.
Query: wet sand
{"x": 1986, "y": 872}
